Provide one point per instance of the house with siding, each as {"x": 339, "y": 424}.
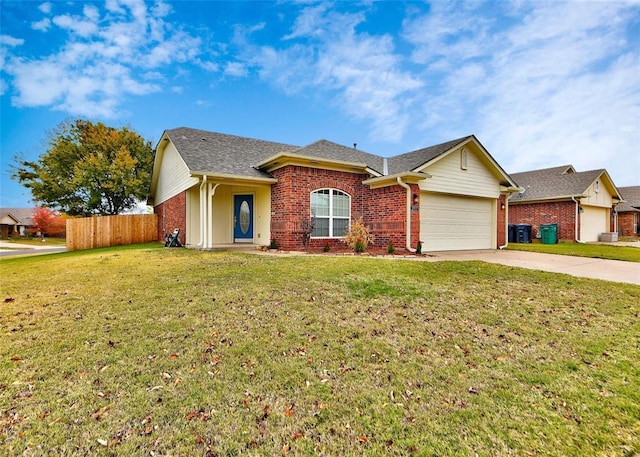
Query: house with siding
{"x": 628, "y": 212}
{"x": 582, "y": 204}
{"x": 220, "y": 189}
{"x": 15, "y": 221}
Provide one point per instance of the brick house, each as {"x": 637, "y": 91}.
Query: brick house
{"x": 581, "y": 203}
{"x": 15, "y": 221}
{"x": 628, "y": 212}
{"x": 221, "y": 189}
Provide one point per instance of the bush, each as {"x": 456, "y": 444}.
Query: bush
{"x": 390, "y": 248}
{"x": 358, "y": 238}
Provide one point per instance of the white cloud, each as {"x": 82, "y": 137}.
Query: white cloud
{"x": 362, "y": 72}
{"x": 42, "y": 25}
{"x": 235, "y": 69}
{"x": 45, "y": 7}
{"x": 108, "y": 57}
{"x": 556, "y": 85}
{"x": 7, "y": 40}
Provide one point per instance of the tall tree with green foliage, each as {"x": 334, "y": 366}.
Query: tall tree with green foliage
{"x": 89, "y": 169}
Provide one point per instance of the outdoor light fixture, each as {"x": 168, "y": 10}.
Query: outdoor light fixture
{"x": 415, "y": 199}
{"x": 502, "y": 205}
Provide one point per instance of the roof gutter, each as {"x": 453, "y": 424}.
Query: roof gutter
{"x": 408, "y": 235}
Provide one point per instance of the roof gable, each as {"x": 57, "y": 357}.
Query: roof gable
{"x": 415, "y": 159}
{"x": 558, "y": 183}
{"x": 22, "y": 216}
{"x": 218, "y": 153}
{"x": 631, "y": 196}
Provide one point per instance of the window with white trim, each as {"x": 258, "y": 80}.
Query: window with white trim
{"x": 331, "y": 209}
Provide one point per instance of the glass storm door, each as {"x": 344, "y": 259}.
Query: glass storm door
{"x": 243, "y": 218}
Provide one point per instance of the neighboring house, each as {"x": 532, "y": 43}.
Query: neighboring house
{"x": 581, "y": 203}
{"x": 221, "y": 189}
{"x": 628, "y": 212}
{"x": 15, "y": 221}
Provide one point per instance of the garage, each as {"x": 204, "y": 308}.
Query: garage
{"x": 593, "y": 221}
{"x": 450, "y": 222}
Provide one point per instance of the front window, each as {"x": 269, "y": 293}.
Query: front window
{"x": 331, "y": 210}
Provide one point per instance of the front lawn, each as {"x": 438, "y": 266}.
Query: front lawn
{"x": 598, "y": 251}
{"x": 148, "y": 351}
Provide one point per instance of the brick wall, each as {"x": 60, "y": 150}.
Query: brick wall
{"x": 625, "y": 224}
{"x": 561, "y": 213}
{"x": 501, "y": 235}
{"x": 172, "y": 214}
{"x": 383, "y": 210}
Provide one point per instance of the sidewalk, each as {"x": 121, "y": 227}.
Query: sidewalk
{"x": 16, "y": 249}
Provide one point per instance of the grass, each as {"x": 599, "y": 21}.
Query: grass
{"x": 147, "y": 351}
{"x": 598, "y": 251}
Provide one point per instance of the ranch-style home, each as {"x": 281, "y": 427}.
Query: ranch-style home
{"x": 582, "y": 204}
{"x": 220, "y": 189}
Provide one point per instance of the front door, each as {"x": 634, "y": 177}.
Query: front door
{"x": 243, "y": 218}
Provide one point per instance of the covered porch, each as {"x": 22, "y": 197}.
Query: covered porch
{"x": 225, "y": 212}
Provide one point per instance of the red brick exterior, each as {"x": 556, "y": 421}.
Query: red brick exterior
{"x": 172, "y": 214}
{"x": 501, "y": 239}
{"x": 562, "y": 213}
{"x": 383, "y": 210}
{"x": 625, "y": 223}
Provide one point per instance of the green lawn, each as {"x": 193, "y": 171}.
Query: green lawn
{"x": 598, "y": 251}
{"x": 150, "y": 351}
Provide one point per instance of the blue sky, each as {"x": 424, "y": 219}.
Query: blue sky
{"x": 540, "y": 84}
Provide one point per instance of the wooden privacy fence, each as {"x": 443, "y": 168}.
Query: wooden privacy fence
{"x": 103, "y": 231}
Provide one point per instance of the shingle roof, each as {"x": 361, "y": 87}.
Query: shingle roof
{"x": 412, "y": 160}
{"x": 552, "y": 183}
{"x": 333, "y": 151}
{"x": 631, "y": 196}
{"x": 220, "y": 153}
{"x": 24, "y": 216}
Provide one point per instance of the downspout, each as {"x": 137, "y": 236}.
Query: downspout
{"x": 212, "y": 192}
{"x": 203, "y": 211}
{"x": 408, "y": 237}
{"x": 576, "y": 219}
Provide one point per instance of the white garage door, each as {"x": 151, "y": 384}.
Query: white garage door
{"x": 593, "y": 222}
{"x": 449, "y": 223}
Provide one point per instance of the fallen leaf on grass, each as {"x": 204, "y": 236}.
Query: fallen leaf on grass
{"x": 102, "y": 442}
{"x": 174, "y": 356}
{"x": 16, "y": 359}
{"x": 289, "y": 410}
{"x": 362, "y": 439}
{"x": 297, "y": 435}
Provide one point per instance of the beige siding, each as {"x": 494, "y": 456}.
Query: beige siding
{"x": 173, "y": 176}
{"x": 449, "y": 222}
{"x": 193, "y": 216}
{"x": 598, "y": 197}
{"x": 448, "y": 175}
{"x": 593, "y": 221}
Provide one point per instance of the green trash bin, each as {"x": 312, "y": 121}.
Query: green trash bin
{"x": 549, "y": 233}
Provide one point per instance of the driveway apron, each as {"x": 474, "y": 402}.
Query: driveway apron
{"x": 609, "y": 270}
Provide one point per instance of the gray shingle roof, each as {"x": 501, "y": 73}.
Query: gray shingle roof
{"x": 24, "y": 216}
{"x": 552, "y": 183}
{"x": 333, "y": 151}
{"x": 219, "y": 153}
{"x": 412, "y": 160}
{"x": 631, "y": 196}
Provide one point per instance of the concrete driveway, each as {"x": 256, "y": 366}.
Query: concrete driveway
{"x": 609, "y": 270}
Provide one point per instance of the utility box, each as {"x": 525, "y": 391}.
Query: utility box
{"x": 609, "y": 237}
{"x": 549, "y": 233}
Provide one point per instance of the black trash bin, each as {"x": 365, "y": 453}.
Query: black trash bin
{"x": 523, "y": 233}
{"x": 512, "y": 233}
